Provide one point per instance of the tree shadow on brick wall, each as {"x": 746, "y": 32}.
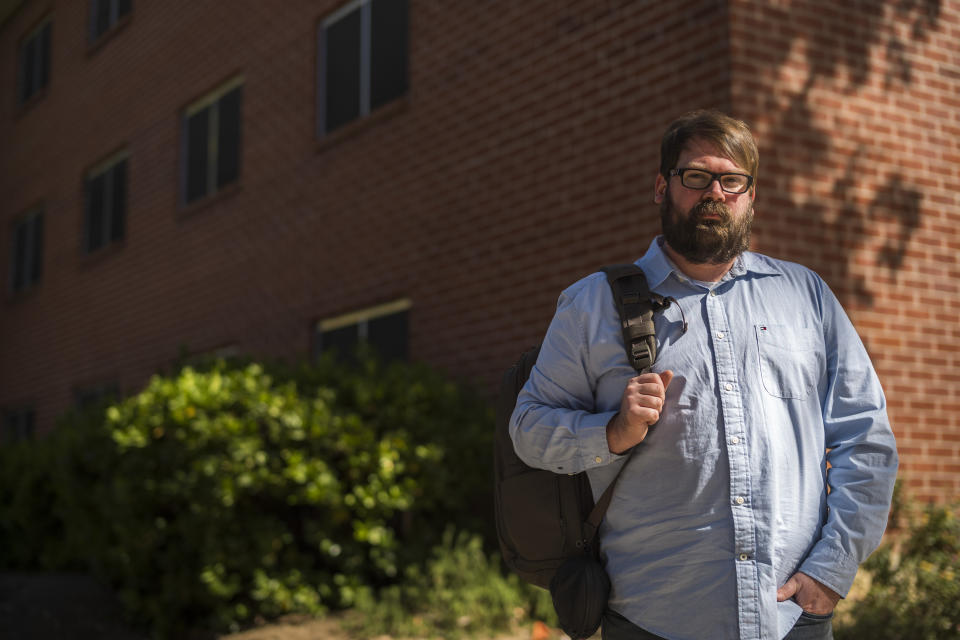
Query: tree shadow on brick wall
{"x": 846, "y": 52}
{"x": 896, "y": 202}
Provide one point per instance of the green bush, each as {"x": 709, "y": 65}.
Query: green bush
{"x": 914, "y": 591}
{"x": 225, "y": 493}
{"x": 460, "y": 591}
{"x": 414, "y": 399}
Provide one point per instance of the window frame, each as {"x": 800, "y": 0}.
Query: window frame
{"x": 106, "y": 168}
{"x": 32, "y": 266}
{"x": 365, "y": 63}
{"x": 42, "y": 63}
{"x": 360, "y": 318}
{"x": 209, "y": 101}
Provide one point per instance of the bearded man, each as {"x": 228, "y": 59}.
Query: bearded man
{"x": 721, "y": 525}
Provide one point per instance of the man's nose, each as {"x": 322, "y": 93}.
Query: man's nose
{"x": 714, "y": 192}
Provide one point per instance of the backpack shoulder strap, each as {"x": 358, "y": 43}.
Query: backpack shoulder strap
{"x": 635, "y": 305}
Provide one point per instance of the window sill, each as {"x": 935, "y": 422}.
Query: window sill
{"x": 195, "y": 207}
{"x": 358, "y": 126}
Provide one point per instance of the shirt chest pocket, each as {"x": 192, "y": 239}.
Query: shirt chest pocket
{"x": 790, "y": 360}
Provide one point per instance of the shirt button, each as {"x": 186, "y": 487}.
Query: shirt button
{"x": 713, "y": 293}
{"x": 728, "y": 387}
{"x": 744, "y": 557}
{"x": 734, "y": 440}
{"x": 720, "y": 335}
{"x": 598, "y": 459}
{"x": 739, "y": 500}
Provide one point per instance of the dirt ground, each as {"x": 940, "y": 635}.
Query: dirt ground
{"x": 330, "y": 629}
{"x": 75, "y": 607}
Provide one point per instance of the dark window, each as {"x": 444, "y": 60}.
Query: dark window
{"x": 363, "y": 52}
{"x": 388, "y": 51}
{"x": 343, "y": 70}
{"x": 106, "y": 206}
{"x": 385, "y": 329}
{"x": 212, "y": 142}
{"x": 34, "y": 67}
{"x": 18, "y": 424}
{"x": 197, "y": 150}
{"x": 105, "y": 14}
{"x": 343, "y": 340}
{"x": 228, "y": 137}
{"x": 26, "y": 255}
{"x": 388, "y": 335}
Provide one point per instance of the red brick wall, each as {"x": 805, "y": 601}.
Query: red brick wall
{"x": 522, "y": 158}
{"x": 857, "y": 110}
{"x": 525, "y": 125}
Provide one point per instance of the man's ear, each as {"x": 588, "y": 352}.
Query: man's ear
{"x": 659, "y": 189}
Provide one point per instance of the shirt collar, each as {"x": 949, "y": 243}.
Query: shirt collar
{"x": 658, "y": 267}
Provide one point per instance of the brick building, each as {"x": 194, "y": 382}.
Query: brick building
{"x": 271, "y": 178}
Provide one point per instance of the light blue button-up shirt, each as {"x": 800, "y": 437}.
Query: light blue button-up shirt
{"x": 727, "y": 496}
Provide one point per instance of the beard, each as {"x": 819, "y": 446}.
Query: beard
{"x": 705, "y": 241}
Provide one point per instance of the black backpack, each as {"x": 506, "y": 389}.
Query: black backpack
{"x": 544, "y": 518}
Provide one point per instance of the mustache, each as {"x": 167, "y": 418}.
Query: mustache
{"x": 711, "y": 208}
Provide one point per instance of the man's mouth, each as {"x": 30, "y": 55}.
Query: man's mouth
{"x": 710, "y": 214}
{"x": 710, "y": 220}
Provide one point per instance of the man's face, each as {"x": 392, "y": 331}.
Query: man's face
{"x": 708, "y": 226}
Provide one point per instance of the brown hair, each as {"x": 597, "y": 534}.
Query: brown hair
{"x": 731, "y": 136}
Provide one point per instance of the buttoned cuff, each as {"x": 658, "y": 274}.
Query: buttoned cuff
{"x": 831, "y": 568}
{"x": 592, "y": 449}
{"x": 592, "y": 435}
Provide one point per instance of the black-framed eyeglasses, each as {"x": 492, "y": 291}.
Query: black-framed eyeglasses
{"x": 699, "y": 179}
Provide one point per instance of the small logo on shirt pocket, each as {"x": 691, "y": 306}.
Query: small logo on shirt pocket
{"x": 789, "y": 360}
